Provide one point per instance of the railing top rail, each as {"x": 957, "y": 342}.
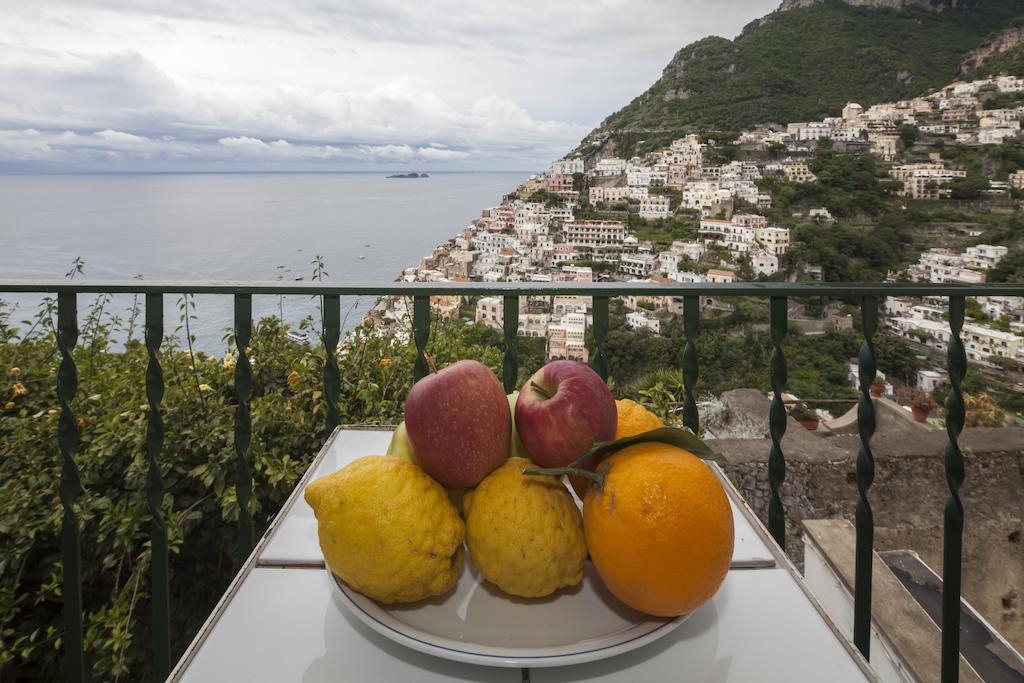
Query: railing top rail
{"x": 758, "y": 289}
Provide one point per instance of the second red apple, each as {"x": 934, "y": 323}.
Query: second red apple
{"x": 562, "y": 410}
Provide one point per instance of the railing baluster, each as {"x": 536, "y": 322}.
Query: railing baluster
{"x": 243, "y": 424}
{"x": 865, "y": 476}
{"x": 600, "y": 360}
{"x": 691, "y": 327}
{"x": 953, "y": 526}
{"x": 159, "y": 572}
{"x": 332, "y": 377}
{"x": 70, "y": 487}
{"x": 421, "y": 334}
{"x": 777, "y": 421}
{"x": 510, "y": 368}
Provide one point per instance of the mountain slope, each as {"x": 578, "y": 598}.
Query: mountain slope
{"x": 1002, "y": 54}
{"x": 804, "y": 63}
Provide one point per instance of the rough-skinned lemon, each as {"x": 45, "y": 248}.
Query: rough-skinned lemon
{"x": 524, "y": 532}
{"x": 387, "y": 529}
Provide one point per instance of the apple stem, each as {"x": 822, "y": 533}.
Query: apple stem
{"x": 559, "y": 471}
{"x": 540, "y": 390}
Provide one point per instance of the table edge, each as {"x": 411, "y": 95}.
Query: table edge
{"x": 251, "y": 562}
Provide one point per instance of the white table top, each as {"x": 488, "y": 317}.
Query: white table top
{"x": 282, "y": 623}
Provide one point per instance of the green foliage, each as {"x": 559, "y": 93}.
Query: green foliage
{"x": 800, "y": 65}
{"x": 547, "y": 198}
{"x": 909, "y": 134}
{"x": 1010, "y": 269}
{"x": 197, "y": 460}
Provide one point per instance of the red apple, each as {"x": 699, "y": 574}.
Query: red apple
{"x": 458, "y": 423}
{"x": 561, "y": 411}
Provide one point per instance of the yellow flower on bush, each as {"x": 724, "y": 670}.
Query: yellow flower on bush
{"x": 15, "y": 372}
{"x": 19, "y": 390}
{"x": 294, "y": 380}
{"x": 9, "y": 405}
{"x": 205, "y": 387}
{"x": 229, "y": 361}
{"x": 385, "y": 362}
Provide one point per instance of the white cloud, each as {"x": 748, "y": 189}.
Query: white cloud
{"x": 498, "y": 84}
{"x": 119, "y": 137}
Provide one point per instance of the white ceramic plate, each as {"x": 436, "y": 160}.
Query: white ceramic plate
{"x": 476, "y": 623}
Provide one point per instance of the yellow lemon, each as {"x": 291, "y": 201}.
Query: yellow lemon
{"x": 524, "y": 532}
{"x": 388, "y": 530}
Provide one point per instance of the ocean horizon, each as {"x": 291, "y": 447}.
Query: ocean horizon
{"x": 222, "y": 226}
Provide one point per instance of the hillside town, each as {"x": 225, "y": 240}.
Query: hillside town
{"x": 583, "y": 220}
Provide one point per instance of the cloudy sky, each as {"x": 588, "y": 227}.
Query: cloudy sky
{"x": 114, "y": 85}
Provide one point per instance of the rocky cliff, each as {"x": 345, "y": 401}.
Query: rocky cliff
{"x": 1003, "y": 43}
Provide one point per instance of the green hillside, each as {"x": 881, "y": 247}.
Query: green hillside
{"x": 802, "y": 64}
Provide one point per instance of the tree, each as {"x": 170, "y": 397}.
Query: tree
{"x": 909, "y": 134}
{"x": 969, "y": 187}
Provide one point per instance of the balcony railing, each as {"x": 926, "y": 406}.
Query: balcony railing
{"x": 778, "y": 294}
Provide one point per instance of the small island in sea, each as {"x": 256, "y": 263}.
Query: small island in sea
{"x": 409, "y": 175}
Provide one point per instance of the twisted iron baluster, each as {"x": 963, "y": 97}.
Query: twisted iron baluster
{"x": 953, "y": 527}
{"x": 159, "y": 570}
{"x": 243, "y": 423}
{"x": 691, "y": 327}
{"x": 70, "y": 487}
{"x": 777, "y": 421}
{"x": 600, "y": 360}
{"x": 332, "y": 376}
{"x": 510, "y": 369}
{"x": 865, "y": 476}
{"x": 421, "y": 334}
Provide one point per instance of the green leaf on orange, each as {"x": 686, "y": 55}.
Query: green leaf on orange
{"x": 673, "y": 436}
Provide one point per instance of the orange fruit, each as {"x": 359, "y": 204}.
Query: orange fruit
{"x": 633, "y": 419}
{"x": 660, "y": 529}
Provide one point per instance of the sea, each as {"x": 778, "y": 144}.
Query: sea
{"x": 366, "y": 227}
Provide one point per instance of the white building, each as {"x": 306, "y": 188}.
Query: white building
{"x": 764, "y": 262}
{"x": 637, "y": 265}
{"x": 655, "y": 206}
{"x": 738, "y": 239}
{"x": 775, "y": 240}
{"x": 925, "y": 180}
{"x": 566, "y": 338}
{"x": 594, "y": 233}
{"x": 566, "y": 167}
{"x": 692, "y": 250}
{"x": 640, "y": 319}
{"x": 490, "y": 311}
{"x": 599, "y": 195}
{"x": 610, "y": 166}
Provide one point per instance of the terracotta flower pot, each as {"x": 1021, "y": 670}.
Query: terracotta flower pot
{"x": 877, "y": 390}
{"x": 920, "y": 414}
{"x": 810, "y": 425}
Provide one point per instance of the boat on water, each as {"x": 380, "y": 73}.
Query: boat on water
{"x": 297, "y": 336}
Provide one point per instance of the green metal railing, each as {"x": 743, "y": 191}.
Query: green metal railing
{"x": 778, "y": 295}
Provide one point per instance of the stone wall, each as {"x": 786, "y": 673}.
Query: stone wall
{"x": 907, "y": 500}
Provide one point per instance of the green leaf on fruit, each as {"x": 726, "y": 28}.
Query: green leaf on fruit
{"x": 673, "y": 436}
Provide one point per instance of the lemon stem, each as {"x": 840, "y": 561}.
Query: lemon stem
{"x": 430, "y": 363}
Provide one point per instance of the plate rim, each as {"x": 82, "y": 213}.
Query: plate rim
{"x": 496, "y": 656}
